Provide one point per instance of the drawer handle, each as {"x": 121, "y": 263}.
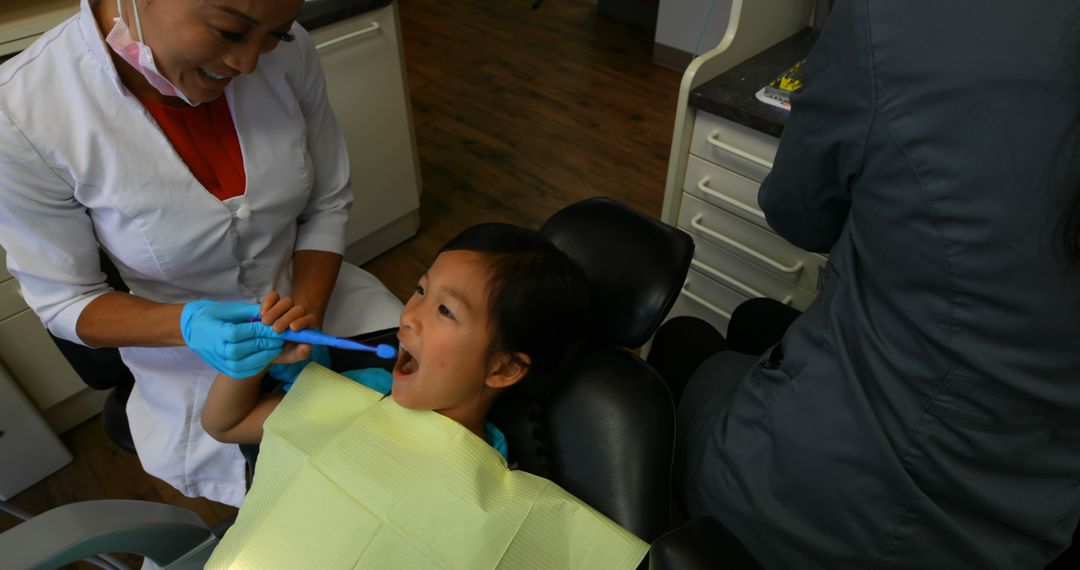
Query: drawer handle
{"x": 731, "y": 281}
{"x": 704, "y": 187}
{"x": 374, "y": 27}
{"x": 715, "y": 141}
{"x": 699, "y": 300}
{"x": 697, "y": 225}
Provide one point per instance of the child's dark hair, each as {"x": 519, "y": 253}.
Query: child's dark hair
{"x": 537, "y": 297}
{"x": 538, "y": 302}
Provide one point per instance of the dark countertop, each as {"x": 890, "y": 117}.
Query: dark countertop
{"x": 731, "y": 94}
{"x": 318, "y": 13}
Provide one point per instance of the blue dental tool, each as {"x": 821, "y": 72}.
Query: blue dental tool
{"x": 308, "y": 336}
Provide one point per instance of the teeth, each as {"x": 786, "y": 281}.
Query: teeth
{"x": 211, "y": 74}
{"x": 409, "y": 363}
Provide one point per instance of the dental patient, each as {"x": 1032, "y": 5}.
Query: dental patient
{"x": 500, "y": 307}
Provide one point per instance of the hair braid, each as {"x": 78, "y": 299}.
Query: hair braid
{"x": 541, "y": 436}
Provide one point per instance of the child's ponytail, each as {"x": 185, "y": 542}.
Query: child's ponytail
{"x": 541, "y": 440}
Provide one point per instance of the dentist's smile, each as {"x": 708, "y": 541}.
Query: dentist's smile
{"x": 212, "y": 75}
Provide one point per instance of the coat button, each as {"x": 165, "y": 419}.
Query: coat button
{"x": 243, "y": 212}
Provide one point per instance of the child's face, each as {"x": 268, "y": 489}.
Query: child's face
{"x": 443, "y": 362}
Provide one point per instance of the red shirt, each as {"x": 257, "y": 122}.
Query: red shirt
{"x": 205, "y": 138}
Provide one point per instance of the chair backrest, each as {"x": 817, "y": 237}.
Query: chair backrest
{"x": 610, "y": 419}
{"x": 635, "y": 265}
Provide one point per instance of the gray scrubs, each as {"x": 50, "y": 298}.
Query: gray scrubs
{"x": 925, "y": 411}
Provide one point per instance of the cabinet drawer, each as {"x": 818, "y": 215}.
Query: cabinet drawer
{"x": 11, "y": 300}
{"x": 706, "y": 299}
{"x": 735, "y": 273}
{"x": 727, "y": 190}
{"x": 735, "y": 147}
{"x": 759, "y": 246}
{"x": 29, "y": 354}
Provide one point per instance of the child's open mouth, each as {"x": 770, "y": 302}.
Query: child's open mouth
{"x": 407, "y": 364}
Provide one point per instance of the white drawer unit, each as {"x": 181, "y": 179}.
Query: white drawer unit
{"x": 716, "y": 167}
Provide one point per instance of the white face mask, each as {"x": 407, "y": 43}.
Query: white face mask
{"x": 138, "y": 54}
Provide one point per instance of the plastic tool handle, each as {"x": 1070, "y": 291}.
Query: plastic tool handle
{"x": 308, "y": 336}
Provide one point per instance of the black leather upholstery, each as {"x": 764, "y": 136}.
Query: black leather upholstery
{"x": 635, "y": 265}
{"x": 99, "y": 368}
{"x": 701, "y": 544}
{"x": 114, "y": 417}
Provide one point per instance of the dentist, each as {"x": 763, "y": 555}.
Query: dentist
{"x": 192, "y": 141}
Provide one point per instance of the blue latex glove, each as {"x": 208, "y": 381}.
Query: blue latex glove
{"x": 223, "y": 336}
{"x": 287, "y": 373}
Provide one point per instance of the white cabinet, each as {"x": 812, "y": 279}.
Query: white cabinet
{"x": 715, "y": 170}
{"x": 365, "y": 76}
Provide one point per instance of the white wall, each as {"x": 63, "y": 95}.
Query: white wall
{"x": 679, "y": 23}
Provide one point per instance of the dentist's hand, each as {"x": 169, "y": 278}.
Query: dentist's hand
{"x": 223, "y": 336}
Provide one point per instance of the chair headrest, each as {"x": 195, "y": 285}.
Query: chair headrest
{"x": 635, "y": 265}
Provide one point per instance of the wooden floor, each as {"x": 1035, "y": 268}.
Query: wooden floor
{"x": 517, "y": 114}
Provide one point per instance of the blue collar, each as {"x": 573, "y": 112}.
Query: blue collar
{"x": 495, "y": 437}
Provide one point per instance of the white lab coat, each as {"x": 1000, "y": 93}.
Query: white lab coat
{"x": 83, "y": 163}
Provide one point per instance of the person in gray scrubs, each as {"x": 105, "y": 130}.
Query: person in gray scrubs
{"x": 924, "y": 412}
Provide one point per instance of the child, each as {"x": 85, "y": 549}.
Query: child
{"x": 500, "y": 305}
{"x": 348, "y": 480}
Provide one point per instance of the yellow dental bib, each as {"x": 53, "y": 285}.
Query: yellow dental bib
{"x": 349, "y": 479}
